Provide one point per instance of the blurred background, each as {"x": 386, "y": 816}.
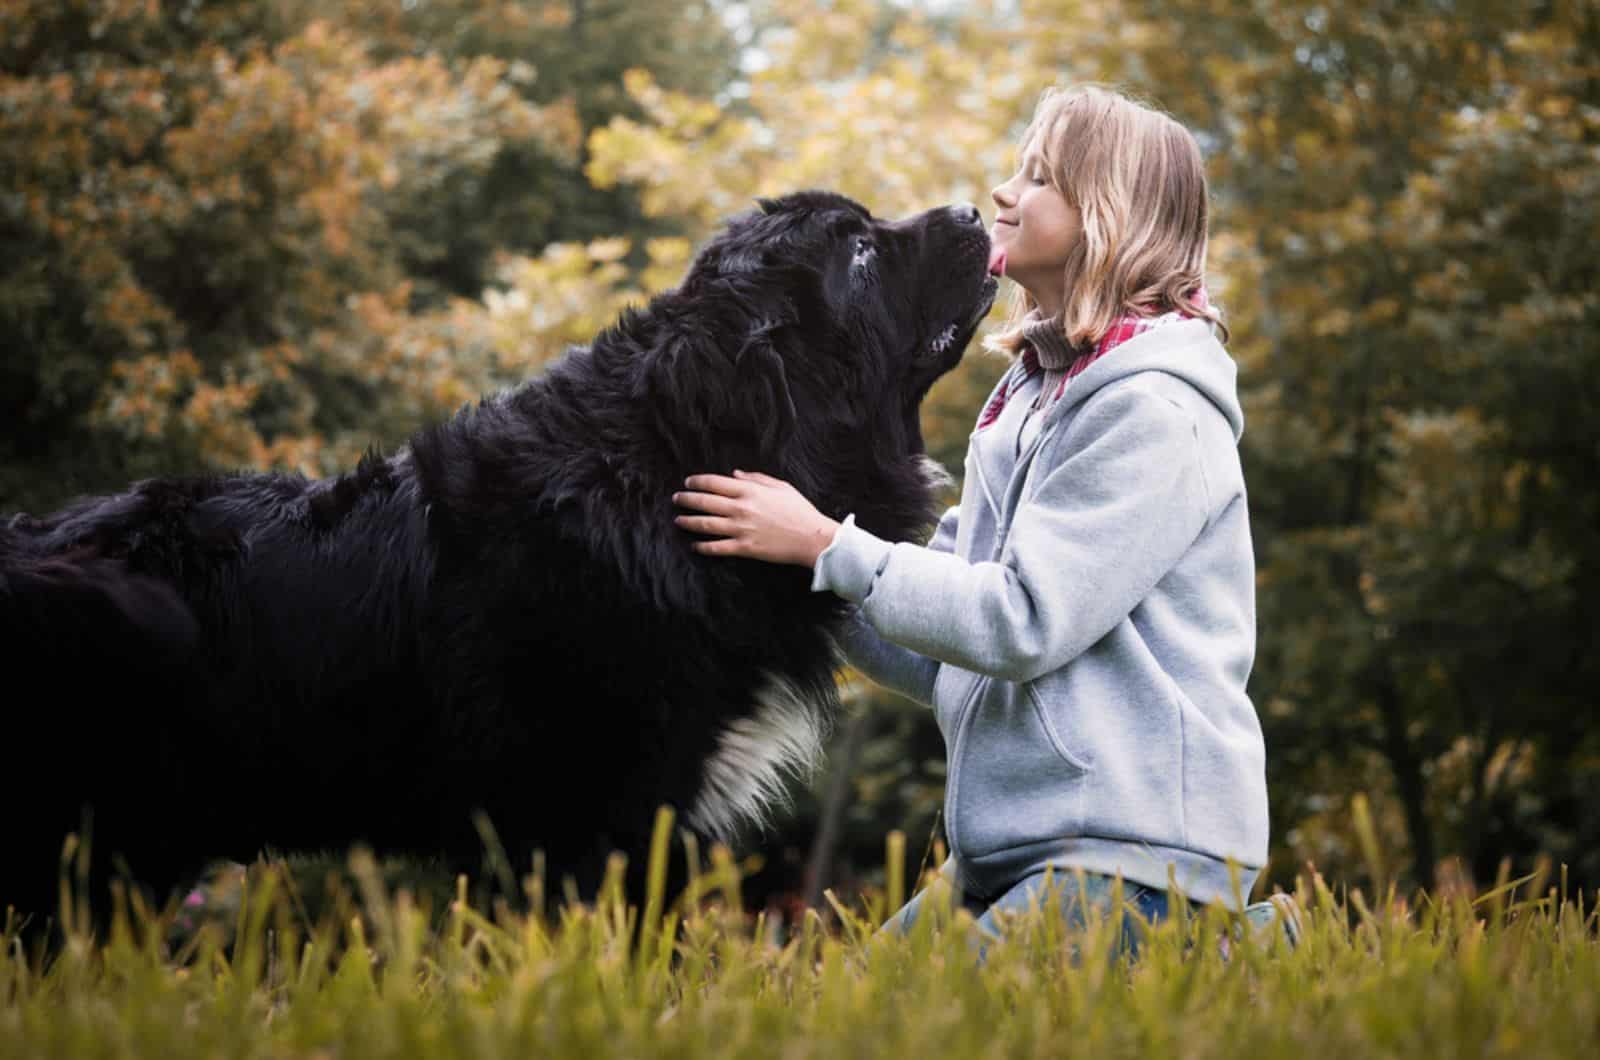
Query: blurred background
{"x": 268, "y": 233}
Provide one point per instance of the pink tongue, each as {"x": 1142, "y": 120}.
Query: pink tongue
{"x": 997, "y": 262}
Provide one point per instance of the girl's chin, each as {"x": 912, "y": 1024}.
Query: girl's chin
{"x": 1010, "y": 252}
{"x": 1016, "y": 271}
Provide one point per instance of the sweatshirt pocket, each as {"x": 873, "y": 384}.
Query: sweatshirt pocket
{"x": 951, "y": 687}
{"x": 1012, "y": 782}
{"x": 1048, "y": 695}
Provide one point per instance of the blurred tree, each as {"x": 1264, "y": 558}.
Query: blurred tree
{"x": 568, "y": 58}
{"x": 256, "y": 233}
{"x": 239, "y": 231}
{"x": 1486, "y": 564}
{"x": 1403, "y": 191}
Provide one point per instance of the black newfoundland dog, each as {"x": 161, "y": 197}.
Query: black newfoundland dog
{"x": 501, "y": 617}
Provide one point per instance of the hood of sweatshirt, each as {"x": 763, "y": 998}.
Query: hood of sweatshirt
{"x": 1188, "y": 350}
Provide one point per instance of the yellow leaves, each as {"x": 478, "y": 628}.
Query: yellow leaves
{"x": 160, "y": 376}
{"x": 1336, "y": 321}
{"x": 702, "y": 177}
{"x": 422, "y": 111}
{"x": 1451, "y": 512}
{"x": 555, "y": 16}
{"x": 259, "y": 186}
{"x": 668, "y": 250}
{"x": 1555, "y": 41}
{"x": 333, "y": 205}
{"x": 1381, "y": 310}
{"x": 566, "y": 295}
{"x": 307, "y": 454}
{"x": 560, "y": 126}
{"x": 641, "y": 86}
{"x": 218, "y": 407}
{"x": 1310, "y": 148}
{"x": 143, "y": 392}
{"x": 605, "y": 250}
{"x": 921, "y": 123}
{"x": 109, "y": 13}
{"x": 1375, "y": 603}
{"x": 686, "y": 115}
{"x": 131, "y": 311}
{"x": 1555, "y": 106}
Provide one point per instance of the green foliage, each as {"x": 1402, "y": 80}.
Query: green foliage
{"x": 240, "y": 234}
{"x": 1405, "y": 190}
{"x": 260, "y": 234}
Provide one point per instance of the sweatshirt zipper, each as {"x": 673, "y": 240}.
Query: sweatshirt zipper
{"x": 954, "y": 781}
{"x": 1002, "y": 528}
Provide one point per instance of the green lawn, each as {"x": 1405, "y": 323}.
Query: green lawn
{"x": 1513, "y": 972}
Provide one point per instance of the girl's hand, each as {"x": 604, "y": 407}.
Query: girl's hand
{"x": 755, "y": 516}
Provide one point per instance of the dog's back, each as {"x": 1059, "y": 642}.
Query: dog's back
{"x": 174, "y": 652}
{"x": 89, "y": 648}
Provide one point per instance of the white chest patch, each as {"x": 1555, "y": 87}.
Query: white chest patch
{"x": 934, "y": 474}
{"x": 746, "y": 776}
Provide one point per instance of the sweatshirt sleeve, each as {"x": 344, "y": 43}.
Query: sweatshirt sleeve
{"x": 1108, "y": 521}
{"x": 898, "y": 669}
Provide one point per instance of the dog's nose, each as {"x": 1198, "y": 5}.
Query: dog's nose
{"x": 967, "y": 213}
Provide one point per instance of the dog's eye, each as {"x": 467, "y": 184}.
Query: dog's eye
{"x": 864, "y": 252}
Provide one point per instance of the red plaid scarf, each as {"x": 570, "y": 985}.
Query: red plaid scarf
{"x": 1027, "y": 364}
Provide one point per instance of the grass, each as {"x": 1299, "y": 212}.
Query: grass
{"x": 1513, "y": 972}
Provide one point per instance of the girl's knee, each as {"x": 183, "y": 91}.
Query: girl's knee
{"x": 939, "y": 898}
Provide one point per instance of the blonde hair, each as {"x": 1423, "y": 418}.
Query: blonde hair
{"x": 1136, "y": 178}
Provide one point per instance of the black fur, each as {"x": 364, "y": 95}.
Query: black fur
{"x": 500, "y": 617}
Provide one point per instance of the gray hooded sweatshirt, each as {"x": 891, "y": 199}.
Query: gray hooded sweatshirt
{"x": 1083, "y": 625}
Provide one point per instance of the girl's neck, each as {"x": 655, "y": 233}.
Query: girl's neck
{"x": 1049, "y": 306}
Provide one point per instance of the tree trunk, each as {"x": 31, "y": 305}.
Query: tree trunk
{"x": 1407, "y": 768}
{"x": 820, "y": 863}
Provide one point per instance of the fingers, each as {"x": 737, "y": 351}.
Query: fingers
{"x": 731, "y": 485}
{"x": 728, "y": 501}
{"x": 726, "y": 486}
{"x": 726, "y": 546}
{"x": 761, "y": 477}
{"x": 707, "y": 524}
{"x": 715, "y": 503}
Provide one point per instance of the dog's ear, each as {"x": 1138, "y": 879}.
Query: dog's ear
{"x": 740, "y": 261}
{"x": 738, "y": 250}
{"x": 762, "y": 380}
{"x": 720, "y": 403}
{"x": 756, "y": 237}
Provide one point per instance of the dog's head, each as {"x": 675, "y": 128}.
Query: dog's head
{"x": 888, "y": 304}
{"x": 829, "y": 327}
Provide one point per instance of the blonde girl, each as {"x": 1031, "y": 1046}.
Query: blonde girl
{"x": 1083, "y": 622}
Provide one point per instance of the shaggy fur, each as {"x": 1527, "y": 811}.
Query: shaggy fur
{"x": 501, "y": 616}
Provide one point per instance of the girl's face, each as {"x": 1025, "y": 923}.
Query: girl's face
{"x": 1035, "y": 228}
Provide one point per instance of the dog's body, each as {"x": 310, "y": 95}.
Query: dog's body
{"x": 502, "y": 616}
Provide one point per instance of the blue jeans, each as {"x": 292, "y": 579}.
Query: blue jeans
{"x": 1078, "y": 891}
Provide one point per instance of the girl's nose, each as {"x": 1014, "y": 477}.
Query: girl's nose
{"x": 998, "y": 195}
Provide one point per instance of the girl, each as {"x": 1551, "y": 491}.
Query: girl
{"x": 1083, "y": 623}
